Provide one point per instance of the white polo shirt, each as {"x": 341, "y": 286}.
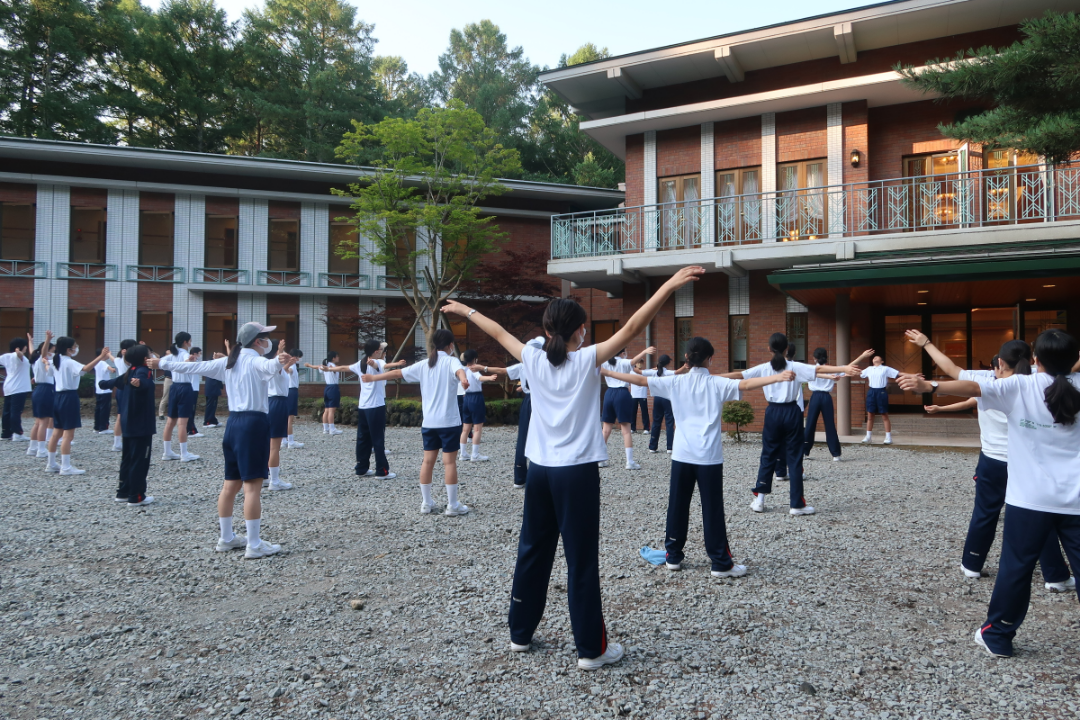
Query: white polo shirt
{"x": 993, "y": 425}
{"x": 783, "y": 392}
{"x": 517, "y": 372}
{"x": 331, "y": 378}
{"x": 279, "y": 385}
{"x": 622, "y": 365}
{"x": 639, "y": 392}
{"x": 101, "y": 372}
{"x": 564, "y": 430}
{"x": 822, "y": 384}
{"x": 18, "y": 373}
{"x": 179, "y": 376}
{"x": 294, "y": 378}
{"x": 697, "y": 400}
{"x": 878, "y": 375}
{"x": 372, "y": 394}
{"x": 68, "y": 374}
{"x": 438, "y": 391}
{"x": 1044, "y": 456}
{"x": 247, "y": 383}
{"x": 475, "y": 384}
{"x": 43, "y": 371}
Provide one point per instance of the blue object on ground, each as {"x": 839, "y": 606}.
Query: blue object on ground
{"x": 656, "y": 557}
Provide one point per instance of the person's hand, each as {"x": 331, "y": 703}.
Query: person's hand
{"x": 476, "y": 368}
{"x": 19, "y": 352}
{"x": 104, "y": 353}
{"x": 49, "y": 335}
{"x": 218, "y": 356}
{"x": 917, "y": 337}
{"x": 228, "y": 349}
{"x": 153, "y": 362}
{"x": 465, "y": 384}
{"x": 192, "y": 357}
{"x": 852, "y": 370}
{"x": 604, "y": 371}
{"x": 453, "y": 307}
{"x": 113, "y": 370}
{"x": 913, "y": 383}
{"x": 134, "y": 382}
{"x": 687, "y": 274}
{"x": 787, "y": 376}
{"x": 932, "y": 409}
{"x": 367, "y": 378}
{"x": 650, "y": 350}
{"x": 30, "y": 339}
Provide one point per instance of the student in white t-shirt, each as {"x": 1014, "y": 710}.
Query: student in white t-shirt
{"x": 697, "y": 399}
{"x": 1044, "y": 485}
{"x": 992, "y": 470}
{"x": 371, "y": 412}
{"x": 661, "y": 405}
{"x": 782, "y": 430}
{"x": 640, "y": 395}
{"x": 331, "y": 393}
{"x": 119, "y": 367}
{"x": 16, "y": 363}
{"x": 565, "y": 447}
{"x": 619, "y": 404}
{"x": 473, "y": 410}
{"x": 66, "y": 407}
{"x": 42, "y": 398}
{"x": 294, "y": 399}
{"x": 439, "y": 377}
{"x": 102, "y": 398}
{"x": 877, "y": 396}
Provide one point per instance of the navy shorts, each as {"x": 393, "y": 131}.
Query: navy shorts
{"x": 182, "y": 399}
{"x": 473, "y": 411}
{"x": 66, "y": 410}
{"x": 447, "y": 439}
{"x": 294, "y": 401}
{"x": 877, "y": 401}
{"x": 331, "y": 396}
{"x": 247, "y": 446}
{"x": 618, "y": 406}
{"x": 42, "y": 400}
{"x": 279, "y": 416}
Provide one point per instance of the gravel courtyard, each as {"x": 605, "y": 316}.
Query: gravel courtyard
{"x": 860, "y": 611}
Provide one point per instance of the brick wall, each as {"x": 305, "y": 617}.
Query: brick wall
{"x": 16, "y": 293}
{"x": 895, "y": 129}
{"x": 737, "y": 143}
{"x": 855, "y": 118}
{"x": 283, "y": 210}
{"x": 18, "y": 193}
{"x": 217, "y": 302}
{"x": 86, "y": 295}
{"x": 157, "y": 202}
{"x": 288, "y": 304}
{"x": 801, "y": 135}
{"x": 155, "y": 297}
{"x": 89, "y": 197}
{"x": 678, "y": 152}
{"x": 635, "y": 170}
{"x": 222, "y": 206}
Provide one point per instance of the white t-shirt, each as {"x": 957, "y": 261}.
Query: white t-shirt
{"x": 18, "y": 373}
{"x": 822, "y": 384}
{"x": 279, "y": 385}
{"x": 879, "y": 375}
{"x": 639, "y": 392}
{"x": 517, "y": 372}
{"x": 101, "y": 372}
{"x": 783, "y": 392}
{"x": 247, "y": 383}
{"x": 68, "y": 374}
{"x": 993, "y": 425}
{"x": 697, "y": 400}
{"x": 1044, "y": 456}
{"x": 373, "y": 394}
{"x": 178, "y": 376}
{"x": 294, "y": 378}
{"x": 564, "y": 430}
{"x": 331, "y": 378}
{"x": 622, "y": 365}
{"x": 437, "y": 390}
{"x": 475, "y": 386}
{"x": 43, "y": 371}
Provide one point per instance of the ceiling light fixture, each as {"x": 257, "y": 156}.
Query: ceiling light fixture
{"x": 1049, "y": 285}
{"x": 1030, "y": 300}
{"x": 922, "y": 292}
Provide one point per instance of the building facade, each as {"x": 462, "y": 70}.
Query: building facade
{"x": 819, "y": 194}
{"x": 105, "y": 243}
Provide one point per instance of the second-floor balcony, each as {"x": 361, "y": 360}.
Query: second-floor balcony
{"x": 155, "y": 273}
{"x": 282, "y": 278}
{"x": 24, "y": 269}
{"x": 973, "y": 199}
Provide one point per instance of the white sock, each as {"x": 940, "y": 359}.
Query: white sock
{"x": 118, "y": 441}
{"x": 48, "y": 434}
{"x": 33, "y": 446}
{"x": 888, "y": 436}
{"x": 333, "y": 426}
{"x": 475, "y": 449}
{"x": 291, "y": 438}
{"x": 325, "y": 427}
{"x": 629, "y": 455}
{"x": 183, "y": 448}
{"x": 227, "y": 533}
{"x": 253, "y": 532}
{"x": 168, "y": 446}
{"x": 65, "y": 461}
{"x": 425, "y": 491}
{"x": 275, "y": 473}
{"x": 52, "y": 459}
{"x": 451, "y": 495}
{"x": 867, "y": 436}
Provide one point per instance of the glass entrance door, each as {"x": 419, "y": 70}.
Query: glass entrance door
{"x": 902, "y": 355}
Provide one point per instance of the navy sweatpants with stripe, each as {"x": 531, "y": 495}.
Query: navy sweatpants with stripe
{"x": 521, "y": 465}
{"x": 782, "y": 434}
{"x": 710, "y": 482}
{"x": 560, "y": 501}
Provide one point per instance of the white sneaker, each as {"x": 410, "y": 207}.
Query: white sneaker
{"x": 115, "y": 448}
{"x": 335, "y": 431}
{"x": 426, "y": 508}
{"x": 19, "y": 438}
{"x": 261, "y": 550}
{"x": 479, "y": 458}
{"x": 613, "y": 654}
{"x": 280, "y": 485}
{"x": 632, "y": 465}
{"x": 644, "y": 432}
{"x": 43, "y": 453}
{"x": 673, "y": 566}
{"x": 53, "y": 468}
{"x": 188, "y": 457}
{"x": 653, "y": 451}
{"x": 104, "y": 432}
{"x": 170, "y": 456}
{"x": 266, "y": 483}
{"x": 387, "y": 476}
{"x": 71, "y": 471}
{"x": 120, "y": 499}
{"x": 865, "y": 441}
{"x": 459, "y": 509}
{"x": 514, "y": 647}
{"x": 976, "y": 575}
{"x": 1064, "y": 586}
{"x": 295, "y": 444}
{"x": 782, "y": 478}
{"x": 238, "y": 542}
{"x": 887, "y": 441}
{"x": 198, "y": 434}
{"x": 147, "y": 499}
{"x": 668, "y": 452}
{"x": 836, "y": 458}
{"x": 734, "y": 572}
{"x": 369, "y": 473}
{"x": 982, "y": 643}
{"x": 805, "y": 510}
{"x": 31, "y": 451}
{"x": 759, "y": 503}
{"x": 602, "y": 463}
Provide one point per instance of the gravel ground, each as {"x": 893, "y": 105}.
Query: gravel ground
{"x": 860, "y": 611}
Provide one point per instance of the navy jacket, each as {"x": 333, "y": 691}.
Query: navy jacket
{"x": 213, "y": 388}
{"x": 138, "y": 410}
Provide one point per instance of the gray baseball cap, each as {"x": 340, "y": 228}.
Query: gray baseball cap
{"x": 250, "y": 331}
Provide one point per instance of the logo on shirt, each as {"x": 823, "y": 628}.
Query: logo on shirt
{"x": 1032, "y": 425}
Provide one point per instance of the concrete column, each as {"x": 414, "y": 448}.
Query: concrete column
{"x": 768, "y": 176}
{"x": 121, "y": 250}
{"x": 843, "y": 357}
{"x": 708, "y": 182}
{"x": 52, "y": 238}
{"x": 835, "y": 167}
{"x": 650, "y": 219}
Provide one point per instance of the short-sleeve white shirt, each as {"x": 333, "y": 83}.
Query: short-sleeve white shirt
{"x": 372, "y": 394}
{"x": 622, "y": 365}
{"x": 517, "y": 372}
{"x": 993, "y": 425}
{"x": 783, "y": 392}
{"x": 68, "y": 374}
{"x": 18, "y": 373}
{"x": 697, "y": 400}
{"x": 878, "y": 375}
{"x": 564, "y": 429}
{"x": 437, "y": 390}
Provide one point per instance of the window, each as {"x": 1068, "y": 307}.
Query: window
{"x": 738, "y": 205}
{"x": 797, "y": 333}
{"x": 934, "y": 190}
{"x": 221, "y": 250}
{"x": 88, "y": 329}
{"x": 155, "y": 330}
{"x": 680, "y": 216}
{"x": 87, "y": 236}
{"x": 156, "y": 238}
{"x": 1010, "y": 192}
{"x": 17, "y": 223}
{"x": 801, "y": 212}
{"x": 284, "y": 245}
{"x": 603, "y": 330}
{"x": 460, "y": 328}
{"x": 739, "y": 330}
{"x": 1037, "y": 321}
{"x": 15, "y": 323}
{"x": 217, "y": 328}
{"x": 404, "y": 246}
{"x": 342, "y": 235}
{"x": 903, "y": 355}
{"x": 684, "y": 333}
{"x": 398, "y": 333}
{"x": 288, "y": 327}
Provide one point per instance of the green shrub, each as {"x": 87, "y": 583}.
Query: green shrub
{"x": 739, "y": 412}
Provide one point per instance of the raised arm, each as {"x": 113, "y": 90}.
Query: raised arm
{"x": 206, "y": 368}
{"x": 946, "y": 365}
{"x": 737, "y": 375}
{"x": 969, "y": 404}
{"x": 640, "y": 357}
{"x": 760, "y": 382}
{"x": 866, "y": 356}
{"x": 388, "y": 375}
{"x": 478, "y": 369}
{"x": 831, "y": 370}
{"x": 632, "y": 378}
{"x": 959, "y": 388}
{"x": 100, "y": 358}
{"x": 497, "y": 332}
{"x": 637, "y": 322}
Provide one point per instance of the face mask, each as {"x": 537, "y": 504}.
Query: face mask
{"x": 74, "y": 351}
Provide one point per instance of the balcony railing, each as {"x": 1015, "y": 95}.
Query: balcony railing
{"x": 155, "y": 273}
{"x": 24, "y": 269}
{"x": 389, "y": 282}
{"x": 221, "y": 276}
{"x": 344, "y": 281}
{"x": 85, "y": 271}
{"x": 978, "y": 198}
{"x": 282, "y": 278}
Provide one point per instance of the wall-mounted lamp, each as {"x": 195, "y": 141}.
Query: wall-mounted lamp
{"x": 856, "y": 157}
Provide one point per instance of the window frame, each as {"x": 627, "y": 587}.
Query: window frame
{"x": 270, "y": 246}
{"x": 235, "y": 242}
{"x": 732, "y": 342}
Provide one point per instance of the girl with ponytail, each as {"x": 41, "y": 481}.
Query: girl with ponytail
{"x": 371, "y": 412}
{"x": 564, "y": 448}
{"x": 182, "y": 399}
{"x": 619, "y": 404}
{"x": 697, "y": 399}
{"x": 331, "y": 393}
{"x": 41, "y": 401}
{"x": 821, "y": 404}
{"x": 66, "y": 407}
{"x": 661, "y": 405}
{"x": 439, "y": 377}
{"x": 1043, "y": 493}
{"x": 782, "y": 433}
{"x": 992, "y": 470}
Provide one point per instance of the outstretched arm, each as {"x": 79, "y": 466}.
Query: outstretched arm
{"x": 497, "y": 332}
{"x": 830, "y": 370}
{"x": 641, "y": 355}
{"x": 864, "y": 358}
{"x": 940, "y": 359}
{"x": 632, "y": 378}
{"x": 960, "y": 388}
{"x": 969, "y": 404}
{"x": 388, "y": 375}
{"x": 737, "y": 375}
{"x": 100, "y": 358}
{"x": 637, "y": 322}
{"x": 478, "y": 369}
{"x": 760, "y": 382}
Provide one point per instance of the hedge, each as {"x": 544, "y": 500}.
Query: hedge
{"x": 409, "y": 412}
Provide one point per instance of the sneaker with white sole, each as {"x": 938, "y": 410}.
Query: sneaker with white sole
{"x": 613, "y": 654}
{"x": 602, "y": 463}
{"x": 71, "y": 471}
{"x": 644, "y": 432}
{"x": 1063, "y": 586}
{"x": 238, "y": 542}
{"x": 19, "y": 438}
{"x": 972, "y": 574}
{"x": 195, "y": 435}
{"x": 335, "y": 431}
{"x": 479, "y": 458}
{"x": 759, "y": 503}
{"x": 387, "y": 476}
{"x": 836, "y": 458}
{"x": 459, "y": 509}
{"x": 170, "y": 456}
{"x": 261, "y": 550}
{"x": 668, "y": 452}
{"x": 653, "y": 452}
{"x": 519, "y": 487}
{"x": 673, "y": 566}
{"x": 280, "y": 485}
{"x": 188, "y": 457}
{"x": 887, "y": 441}
{"x": 782, "y": 478}
{"x": 735, "y": 572}
{"x": 104, "y": 432}
{"x": 426, "y": 508}
{"x": 633, "y": 465}
{"x": 31, "y": 451}
{"x": 52, "y": 468}
{"x": 43, "y": 453}
{"x": 296, "y": 445}
{"x": 982, "y": 643}
{"x": 142, "y": 500}
{"x": 114, "y": 448}
{"x": 120, "y": 499}
{"x": 369, "y": 473}
{"x": 865, "y": 441}
{"x": 804, "y": 510}
{"x": 514, "y": 647}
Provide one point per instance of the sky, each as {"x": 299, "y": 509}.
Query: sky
{"x": 419, "y": 30}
